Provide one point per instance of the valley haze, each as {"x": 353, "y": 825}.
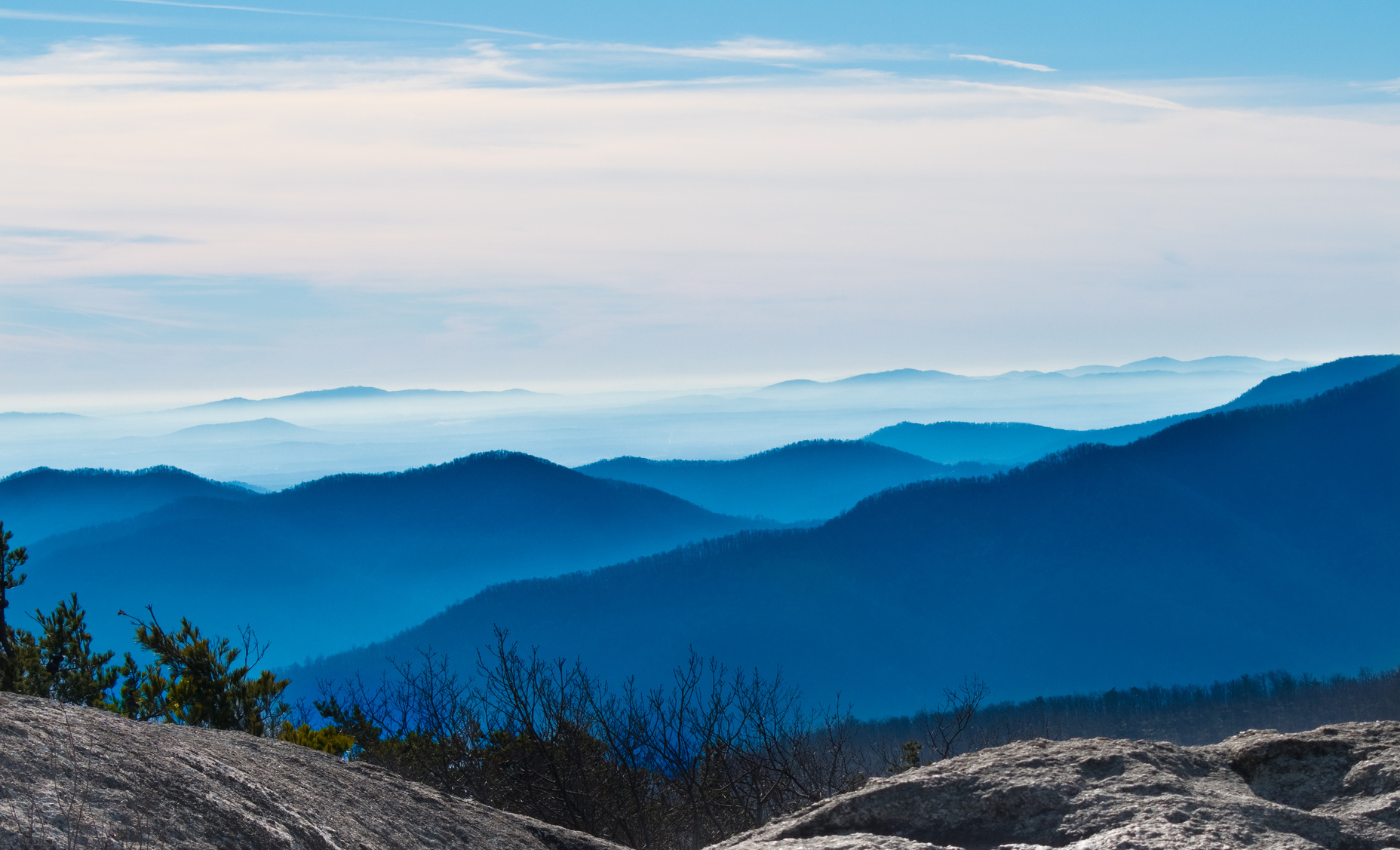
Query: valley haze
{"x": 278, "y": 442}
{"x": 438, "y": 537}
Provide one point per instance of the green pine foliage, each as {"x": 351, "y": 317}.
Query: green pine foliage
{"x": 55, "y": 661}
{"x": 327, "y": 739}
{"x": 10, "y": 578}
{"x": 198, "y": 681}
{"x": 192, "y": 680}
{"x": 58, "y": 662}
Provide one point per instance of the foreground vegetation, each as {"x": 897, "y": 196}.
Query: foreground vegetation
{"x": 710, "y": 754}
{"x": 717, "y": 752}
{"x": 191, "y": 679}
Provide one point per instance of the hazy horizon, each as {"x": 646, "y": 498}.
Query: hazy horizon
{"x": 277, "y": 442}
{"x": 229, "y": 200}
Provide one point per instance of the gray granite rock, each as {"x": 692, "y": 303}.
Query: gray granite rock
{"x": 76, "y": 777}
{"x": 108, "y": 782}
{"x": 1337, "y": 787}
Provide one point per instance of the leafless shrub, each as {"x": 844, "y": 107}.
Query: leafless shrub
{"x": 714, "y": 752}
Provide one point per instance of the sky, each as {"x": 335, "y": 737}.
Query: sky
{"x": 207, "y": 200}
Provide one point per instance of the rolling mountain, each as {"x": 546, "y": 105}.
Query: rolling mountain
{"x": 253, "y": 430}
{"x": 342, "y": 395}
{"x": 42, "y": 502}
{"x": 1019, "y": 442}
{"x": 351, "y": 558}
{"x": 810, "y": 480}
{"x": 1251, "y": 365}
{"x": 1254, "y": 539}
{"x": 1282, "y": 389}
{"x": 907, "y": 379}
{"x": 1005, "y": 443}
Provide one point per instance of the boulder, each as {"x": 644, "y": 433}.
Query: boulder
{"x": 79, "y": 777}
{"x": 1336, "y": 787}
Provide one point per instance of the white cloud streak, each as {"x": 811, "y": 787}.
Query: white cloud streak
{"x": 1010, "y": 63}
{"x": 303, "y": 14}
{"x": 18, "y": 15}
{"x": 558, "y": 232}
{"x": 762, "y": 50}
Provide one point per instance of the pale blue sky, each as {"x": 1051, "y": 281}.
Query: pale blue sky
{"x": 549, "y": 194}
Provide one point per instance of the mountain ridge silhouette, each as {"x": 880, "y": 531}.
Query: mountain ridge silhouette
{"x": 1257, "y": 538}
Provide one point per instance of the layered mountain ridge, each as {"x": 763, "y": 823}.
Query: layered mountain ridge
{"x": 1243, "y": 540}
{"x": 337, "y": 561}
{"x": 1020, "y": 442}
{"x": 809, "y": 480}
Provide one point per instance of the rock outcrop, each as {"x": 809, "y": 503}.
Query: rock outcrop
{"x": 76, "y": 777}
{"x": 1337, "y": 787}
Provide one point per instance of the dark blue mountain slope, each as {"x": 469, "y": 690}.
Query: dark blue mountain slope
{"x": 1019, "y": 442}
{"x": 1305, "y": 383}
{"x": 350, "y": 558}
{"x": 1004, "y": 443}
{"x": 1257, "y": 539}
{"x": 43, "y": 501}
{"x": 810, "y": 480}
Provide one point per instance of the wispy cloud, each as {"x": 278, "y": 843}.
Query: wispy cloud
{"x": 752, "y": 50}
{"x": 792, "y": 218}
{"x": 305, "y": 14}
{"x": 1072, "y": 94}
{"x": 19, "y": 15}
{"x": 122, "y": 64}
{"x": 1010, "y": 63}
{"x": 60, "y": 242}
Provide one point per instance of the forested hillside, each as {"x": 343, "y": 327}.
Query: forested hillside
{"x": 1312, "y": 381}
{"x": 1257, "y": 539}
{"x": 40, "y": 502}
{"x": 813, "y": 479}
{"x": 351, "y": 558}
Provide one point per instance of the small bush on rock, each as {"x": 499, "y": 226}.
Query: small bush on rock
{"x": 327, "y": 740}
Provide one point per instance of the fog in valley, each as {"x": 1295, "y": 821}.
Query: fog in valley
{"x": 275, "y": 443}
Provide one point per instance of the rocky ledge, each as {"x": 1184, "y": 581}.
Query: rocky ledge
{"x": 77, "y": 777}
{"x": 1337, "y": 787}
{"x": 73, "y": 777}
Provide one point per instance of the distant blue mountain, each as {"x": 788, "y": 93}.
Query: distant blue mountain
{"x": 1254, "y": 539}
{"x": 1019, "y": 442}
{"x": 253, "y": 429}
{"x": 1282, "y": 389}
{"x": 810, "y": 480}
{"x": 1006, "y": 443}
{"x": 352, "y": 558}
{"x": 43, "y": 501}
{"x": 340, "y": 394}
{"x": 869, "y": 380}
{"x": 896, "y": 379}
{"x": 1251, "y": 365}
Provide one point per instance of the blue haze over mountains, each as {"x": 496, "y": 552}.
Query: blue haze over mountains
{"x": 1251, "y": 539}
{"x": 1021, "y": 442}
{"x": 343, "y": 559}
{"x": 810, "y": 480}
{"x": 364, "y": 429}
{"x": 382, "y": 553}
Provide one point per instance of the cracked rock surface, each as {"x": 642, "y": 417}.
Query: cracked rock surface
{"x": 103, "y": 781}
{"x": 80, "y": 777}
{"x": 1336, "y": 787}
